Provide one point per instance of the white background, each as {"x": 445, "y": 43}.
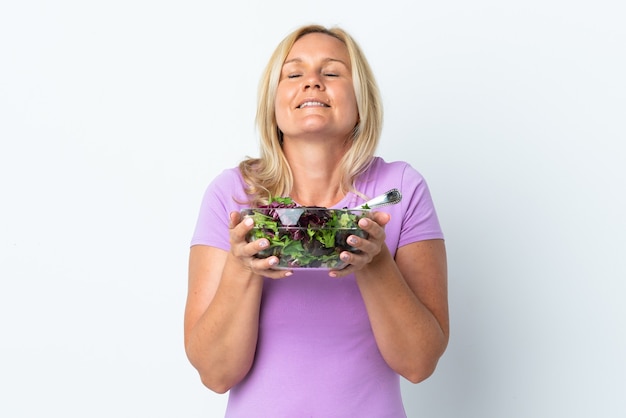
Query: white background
{"x": 115, "y": 115}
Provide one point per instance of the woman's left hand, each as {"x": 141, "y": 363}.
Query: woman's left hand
{"x": 368, "y": 248}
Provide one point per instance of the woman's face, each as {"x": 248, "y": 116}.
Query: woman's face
{"x": 315, "y": 93}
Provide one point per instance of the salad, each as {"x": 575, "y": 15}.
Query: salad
{"x": 304, "y": 236}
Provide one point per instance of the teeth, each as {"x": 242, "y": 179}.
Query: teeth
{"x": 308, "y": 104}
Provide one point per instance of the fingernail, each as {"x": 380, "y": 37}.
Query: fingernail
{"x": 248, "y": 221}
{"x": 273, "y": 261}
{"x": 263, "y": 243}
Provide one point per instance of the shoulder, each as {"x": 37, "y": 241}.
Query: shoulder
{"x": 228, "y": 189}
{"x": 221, "y": 196}
{"x": 229, "y": 175}
{"x": 399, "y": 171}
{"x": 228, "y": 180}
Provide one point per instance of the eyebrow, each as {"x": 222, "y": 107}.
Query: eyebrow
{"x": 325, "y": 60}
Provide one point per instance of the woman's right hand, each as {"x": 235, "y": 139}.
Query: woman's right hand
{"x": 244, "y": 252}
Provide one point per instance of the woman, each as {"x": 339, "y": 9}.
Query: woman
{"x": 317, "y": 343}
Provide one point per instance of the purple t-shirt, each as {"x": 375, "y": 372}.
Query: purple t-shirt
{"x": 316, "y": 355}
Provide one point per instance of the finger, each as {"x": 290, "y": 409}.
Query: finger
{"x": 381, "y": 218}
{"x": 235, "y": 218}
{"x": 241, "y": 226}
{"x": 343, "y": 272}
{"x": 239, "y": 230}
{"x": 374, "y": 230}
{"x": 265, "y": 267}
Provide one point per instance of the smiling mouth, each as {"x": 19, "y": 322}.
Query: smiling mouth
{"x": 312, "y": 104}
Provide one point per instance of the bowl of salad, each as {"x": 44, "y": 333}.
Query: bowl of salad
{"x": 305, "y": 237}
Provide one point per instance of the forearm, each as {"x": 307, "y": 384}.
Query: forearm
{"x": 221, "y": 345}
{"x": 408, "y": 334}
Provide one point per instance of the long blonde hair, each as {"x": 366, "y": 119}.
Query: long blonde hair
{"x": 270, "y": 174}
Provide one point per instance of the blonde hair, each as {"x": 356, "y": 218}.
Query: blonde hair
{"x": 270, "y": 175}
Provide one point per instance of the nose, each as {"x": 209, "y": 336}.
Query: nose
{"x": 313, "y": 80}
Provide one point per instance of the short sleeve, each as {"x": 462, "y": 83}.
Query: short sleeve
{"x": 420, "y": 221}
{"x": 222, "y": 196}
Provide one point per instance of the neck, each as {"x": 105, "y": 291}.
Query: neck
{"x": 316, "y": 174}
{"x": 323, "y": 198}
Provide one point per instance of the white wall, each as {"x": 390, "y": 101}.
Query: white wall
{"x": 111, "y": 117}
